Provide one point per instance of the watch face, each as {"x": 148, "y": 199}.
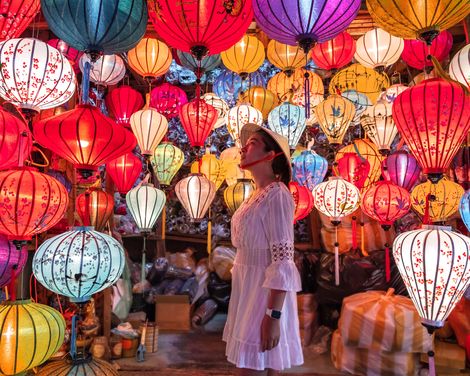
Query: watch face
{"x": 276, "y": 314}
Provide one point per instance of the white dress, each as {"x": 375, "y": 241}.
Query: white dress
{"x": 263, "y": 233}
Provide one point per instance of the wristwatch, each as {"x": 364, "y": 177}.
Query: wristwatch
{"x": 273, "y": 313}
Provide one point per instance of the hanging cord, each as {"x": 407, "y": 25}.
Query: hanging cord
{"x": 354, "y": 231}
{"x": 142, "y": 270}
{"x": 73, "y": 338}
{"x": 363, "y": 238}
{"x": 336, "y": 255}
{"x": 209, "y": 232}
{"x": 307, "y": 89}
{"x": 387, "y": 255}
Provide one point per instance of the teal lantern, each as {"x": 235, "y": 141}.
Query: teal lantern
{"x": 464, "y": 209}
{"x": 289, "y": 121}
{"x": 309, "y": 168}
{"x": 206, "y": 64}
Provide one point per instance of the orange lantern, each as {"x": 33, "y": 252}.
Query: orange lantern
{"x": 260, "y": 98}
{"x": 94, "y": 207}
{"x": 151, "y": 58}
{"x": 285, "y": 57}
{"x": 245, "y": 56}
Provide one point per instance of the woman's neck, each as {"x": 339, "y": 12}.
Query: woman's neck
{"x": 263, "y": 181}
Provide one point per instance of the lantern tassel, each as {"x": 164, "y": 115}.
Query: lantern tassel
{"x": 336, "y": 257}
{"x": 440, "y": 72}
{"x": 164, "y": 223}
{"x": 209, "y": 234}
{"x": 86, "y": 82}
{"x": 73, "y": 338}
{"x": 86, "y": 221}
{"x": 363, "y": 239}
{"x": 307, "y": 95}
{"x": 354, "y": 232}
{"x": 387, "y": 262}
{"x": 142, "y": 270}
{"x": 432, "y": 365}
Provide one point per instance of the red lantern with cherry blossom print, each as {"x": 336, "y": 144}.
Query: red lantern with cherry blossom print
{"x": 70, "y": 53}
{"x": 198, "y": 119}
{"x": 16, "y": 16}
{"x": 167, "y": 99}
{"x": 303, "y": 200}
{"x": 353, "y": 168}
{"x": 335, "y": 53}
{"x": 94, "y": 207}
{"x": 124, "y": 171}
{"x": 122, "y": 102}
{"x": 15, "y": 140}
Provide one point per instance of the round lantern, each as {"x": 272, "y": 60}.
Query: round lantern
{"x": 106, "y": 27}
{"x": 334, "y": 115}
{"x": 145, "y": 203}
{"x": 433, "y": 130}
{"x": 34, "y": 75}
{"x": 79, "y": 263}
{"x": 15, "y": 140}
{"x": 378, "y": 123}
{"x": 16, "y": 16}
{"x": 201, "y": 27}
{"x": 206, "y": 64}
{"x": 416, "y": 51}
{"x": 389, "y": 95}
{"x": 82, "y": 367}
{"x": 245, "y": 56}
{"x": 361, "y": 103}
{"x": 459, "y": 68}
{"x": 124, "y": 171}
{"x": 167, "y": 160}
{"x": 260, "y": 98}
{"x": 402, "y": 169}
{"x": 439, "y": 200}
{"x": 122, "y": 102}
{"x": 353, "y": 169}
{"x": 212, "y": 168}
{"x": 240, "y": 115}
{"x": 106, "y": 71}
{"x": 30, "y": 202}
{"x": 12, "y": 260}
{"x": 220, "y": 105}
{"x": 309, "y": 168}
{"x": 149, "y": 128}
{"x": 84, "y": 137}
{"x": 198, "y": 119}
{"x": 409, "y": 20}
{"x": 235, "y": 194}
{"x": 151, "y": 58}
{"x": 196, "y": 193}
{"x": 314, "y": 89}
{"x": 283, "y": 85}
{"x": 303, "y": 200}
{"x": 464, "y": 210}
{"x": 231, "y": 159}
{"x": 288, "y": 120}
{"x": 70, "y": 53}
{"x": 378, "y": 49}
{"x": 167, "y": 99}
{"x": 30, "y": 333}
{"x": 286, "y": 58}
{"x": 94, "y": 207}
{"x": 334, "y": 53}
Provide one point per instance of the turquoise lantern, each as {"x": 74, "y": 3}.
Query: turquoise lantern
{"x": 206, "y": 64}
{"x": 464, "y": 209}
{"x": 309, "y": 168}
{"x": 289, "y": 121}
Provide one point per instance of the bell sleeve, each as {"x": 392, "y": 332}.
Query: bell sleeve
{"x": 278, "y": 224}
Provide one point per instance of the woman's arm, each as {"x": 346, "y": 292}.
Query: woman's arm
{"x": 270, "y": 328}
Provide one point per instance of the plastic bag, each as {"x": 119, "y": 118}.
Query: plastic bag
{"x": 174, "y": 287}
{"x": 180, "y": 273}
{"x": 182, "y": 260}
{"x": 189, "y": 288}
{"x": 158, "y": 270}
{"x": 219, "y": 290}
{"x": 122, "y": 294}
{"x": 221, "y": 261}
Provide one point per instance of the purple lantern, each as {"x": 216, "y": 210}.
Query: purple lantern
{"x": 304, "y": 22}
{"x": 402, "y": 169}
{"x": 10, "y": 259}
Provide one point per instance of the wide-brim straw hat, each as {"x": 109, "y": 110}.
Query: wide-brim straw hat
{"x": 250, "y": 128}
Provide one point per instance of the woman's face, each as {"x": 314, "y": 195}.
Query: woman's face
{"x": 253, "y": 150}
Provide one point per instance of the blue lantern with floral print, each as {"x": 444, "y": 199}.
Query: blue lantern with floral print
{"x": 309, "y": 168}
{"x": 289, "y": 121}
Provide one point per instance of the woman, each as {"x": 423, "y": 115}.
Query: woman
{"x": 262, "y": 329}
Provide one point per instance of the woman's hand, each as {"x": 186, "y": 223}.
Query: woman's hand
{"x": 270, "y": 333}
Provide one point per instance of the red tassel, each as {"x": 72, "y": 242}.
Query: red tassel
{"x": 354, "y": 232}
{"x": 387, "y": 262}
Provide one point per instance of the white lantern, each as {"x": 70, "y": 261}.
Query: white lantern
{"x": 240, "y": 115}
{"x": 145, "y": 203}
{"x": 107, "y": 70}
{"x": 361, "y": 103}
{"x": 196, "y": 194}
{"x": 378, "y": 123}
{"x": 459, "y": 68}
{"x": 288, "y": 120}
{"x": 149, "y": 128}
{"x": 220, "y": 105}
{"x": 390, "y": 94}
{"x": 377, "y": 49}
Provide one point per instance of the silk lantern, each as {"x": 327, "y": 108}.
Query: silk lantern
{"x": 288, "y": 120}
{"x": 150, "y": 59}
{"x": 460, "y": 167}
{"x": 149, "y": 128}
{"x": 70, "y": 53}
{"x": 303, "y": 200}
{"x": 260, "y": 98}
{"x": 334, "y": 53}
{"x": 420, "y": 77}
{"x": 353, "y": 169}
{"x": 235, "y": 194}
{"x": 391, "y": 93}
{"x": 220, "y": 105}
{"x": 15, "y": 140}
{"x": 240, "y": 115}
{"x": 16, "y": 16}
{"x": 145, "y": 204}
{"x": 79, "y": 263}
{"x": 283, "y": 85}
{"x": 309, "y": 91}
{"x": 167, "y": 160}
{"x": 122, "y": 102}
{"x": 124, "y": 171}
{"x": 433, "y": 130}
{"x": 94, "y": 207}
{"x": 459, "y": 67}
{"x": 206, "y": 64}
{"x": 286, "y": 58}
{"x": 198, "y": 119}
{"x": 167, "y": 99}
{"x": 245, "y": 56}
{"x": 30, "y": 334}
{"x": 402, "y": 169}
{"x": 107, "y": 70}
{"x": 12, "y": 261}
{"x": 361, "y": 103}
{"x": 309, "y": 168}
{"x": 86, "y": 366}
{"x": 464, "y": 210}
{"x": 196, "y": 193}
{"x": 211, "y": 167}
{"x": 378, "y": 123}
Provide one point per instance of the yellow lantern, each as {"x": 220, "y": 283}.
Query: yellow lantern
{"x": 245, "y": 56}
{"x": 235, "y": 194}
{"x": 167, "y": 160}
{"x": 422, "y": 19}
{"x": 260, "y": 98}
{"x": 378, "y": 123}
{"x": 285, "y": 57}
{"x": 443, "y": 198}
{"x": 212, "y": 168}
{"x": 334, "y": 115}
{"x": 364, "y": 80}
{"x": 30, "y": 333}
{"x": 291, "y": 87}
{"x": 151, "y": 58}
{"x": 231, "y": 160}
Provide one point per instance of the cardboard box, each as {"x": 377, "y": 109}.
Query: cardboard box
{"x": 447, "y": 356}
{"x": 173, "y": 312}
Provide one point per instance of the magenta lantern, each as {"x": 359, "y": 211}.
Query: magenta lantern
{"x": 167, "y": 99}
{"x": 402, "y": 169}
{"x": 12, "y": 260}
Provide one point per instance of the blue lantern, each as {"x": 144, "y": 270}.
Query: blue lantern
{"x": 464, "y": 209}
{"x": 309, "y": 168}
{"x": 289, "y": 121}
{"x": 206, "y": 64}
{"x": 97, "y": 26}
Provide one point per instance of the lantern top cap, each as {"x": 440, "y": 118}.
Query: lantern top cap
{"x": 17, "y": 302}
{"x": 82, "y": 228}
{"x": 434, "y": 227}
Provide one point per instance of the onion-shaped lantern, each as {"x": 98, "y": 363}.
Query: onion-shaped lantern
{"x": 149, "y": 128}
{"x": 220, "y": 105}
{"x": 206, "y": 64}
{"x": 16, "y": 16}
{"x": 15, "y": 140}
{"x": 145, "y": 203}
{"x": 86, "y": 366}
{"x": 240, "y": 115}
{"x": 283, "y": 85}
{"x": 378, "y": 49}
{"x": 94, "y": 207}
{"x": 167, "y": 99}
{"x": 34, "y": 75}
{"x": 30, "y": 333}
{"x": 402, "y": 169}
{"x": 245, "y": 56}
{"x": 361, "y": 103}
{"x": 433, "y": 130}
{"x": 231, "y": 159}
{"x": 70, "y": 53}
{"x": 285, "y": 57}
{"x": 309, "y": 168}
{"x": 439, "y": 201}
{"x": 378, "y": 123}
{"x": 314, "y": 89}
{"x": 288, "y": 120}
{"x": 124, "y": 171}
{"x": 167, "y": 160}
{"x": 464, "y": 210}
{"x": 334, "y": 53}
{"x": 211, "y": 167}
{"x": 151, "y": 58}
{"x": 303, "y": 200}
{"x": 235, "y": 194}
{"x": 198, "y": 119}
{"x": 108, "y": 70}
{"x": 79, "y": 263}
{"x": 84, "y": 137}
{"x": 334, "y": 115}
{"x": 106, "y": 27}
{"x": 122, "y": 102}
{"x": 196, "y": 193}
{"x": 459, "y": 68}
{"x": 12, "y": 260}
{"x": 260, "y": 98}
{"x": 353, "y": 169}
{"x": 389, "y": 95}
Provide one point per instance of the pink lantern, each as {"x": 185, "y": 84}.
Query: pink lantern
{"x": 12, "y": 260}
{"x": 402, "y": 169}
{"x": 167, "y": 99}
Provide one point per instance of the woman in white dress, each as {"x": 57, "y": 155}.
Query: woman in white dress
{"x": 262, "y": 329}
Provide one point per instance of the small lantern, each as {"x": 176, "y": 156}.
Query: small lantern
{"x": 220, "y": 105}
{"x": 122, "y": 102}
{"x": 149, "y": 128}
{"x": 198, "y": 119}
{"x": 228, "y": 85}
{"x": 108, "y": 70}
{"x": 459, "y": 67}
{"x": 212, "y": 168}
{"x": 12, "y": 260}
{"x": 389, "y": 95}
{"x": 94, "y": 207}
{"x": 72, "y": 54}
{"x": 167, "y": 99}
{"x": 361, "y": 103}
{"x": 235, "y": 194}
{"x": 353, "y": 169}
{"x": 464, "y": 210}
{"x": 151, "y": 58}
{"x": 231, "y": 159}
{"x": 285, "y": 57}
{"x": 196, "y": 194}
{"x": 303, "y": 200}
{"x": 166, "y": 162}
{"x": 334, "y": 53}
{"x": 86, "y": 366}
{"x": 402, "y": 169}
{"x": 378, "y": 123}
{"x": 145, "y": 203}
{"x": 240, "y": 115}
{"x": 245, "y": 56}
{"x": 124, "y": 171}
{"x": 206, "y": 64}
{"x": 309, "y": 168}
{"x": 288, "y": 120}
{"x": 260, "y": 98}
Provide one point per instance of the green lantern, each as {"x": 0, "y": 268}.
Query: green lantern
{"x": 167, "y": 160}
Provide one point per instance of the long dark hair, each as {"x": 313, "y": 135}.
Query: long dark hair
{"x": 280, "y": 164}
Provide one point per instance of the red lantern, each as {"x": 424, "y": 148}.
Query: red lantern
{"x": 94, "y": 207}
{"x": 433, "y": 118}
{"x": 14, "y": 135}
{"x": 167, "y": 99}
{"x": 335, "y": 53}
{"x": 303, "y": 200}
{"x": 84, "y": 137}
{"x": 198, "y": 119}
{"x": 354, "y": 169}
{"x": 124, "y": 171}
{"x": 30, "y": 202}
{"x": 16, "y": 16}
{"x": 416, "y": 51}
{"x": 122, "y": 102}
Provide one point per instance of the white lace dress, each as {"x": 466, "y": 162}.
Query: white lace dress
{"x": 262, "y": 232}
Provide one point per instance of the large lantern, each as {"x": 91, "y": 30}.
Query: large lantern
{"x": 74, "y": 367}
{"x": 235, "y": 194}
{"x": 145, "y": 203}
{"x": 124, "y": 171}
{"x": 303, "y": 200}
{"x": 309, "y": 168}
{"x": 122, "y": 102}
{"x": 30, "y": 333}
{"x": 94, "y": 207}
{"x": 207, "y": 63}
{"x": 167, "y": 160}
{"x": 15, "y": 140}
{"x": 84, "y": 137}
{"x": 353, "y": 169}
{"x": 402, "y": 169}
{"x": 286, "y": 58}
{"x": 212, "y": 168}
{"x": 220, "y": 105}
{"x": 16, "y": 16}
{"x": 196, "y": 193}
{"x": 459, "y": 68}
{"x": 151, "y": 58}
{"x": 12, "y": 260}
{"x": 260, "y": 98}
{"x": 108, "y": 70}
{"x": 79, "y": 263}
{"x": 433, "y": 130}
{"x": 198, "y": 119}
{"x": 288, "y": 120}
{"x": 167, "y": 99}
{"x": 334, "y": 53}
{"x": 464, "y": 210}
{"x": 245, "y": 56}
{"x": 149, "y": 128}
{"x": 378, "y": 123}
